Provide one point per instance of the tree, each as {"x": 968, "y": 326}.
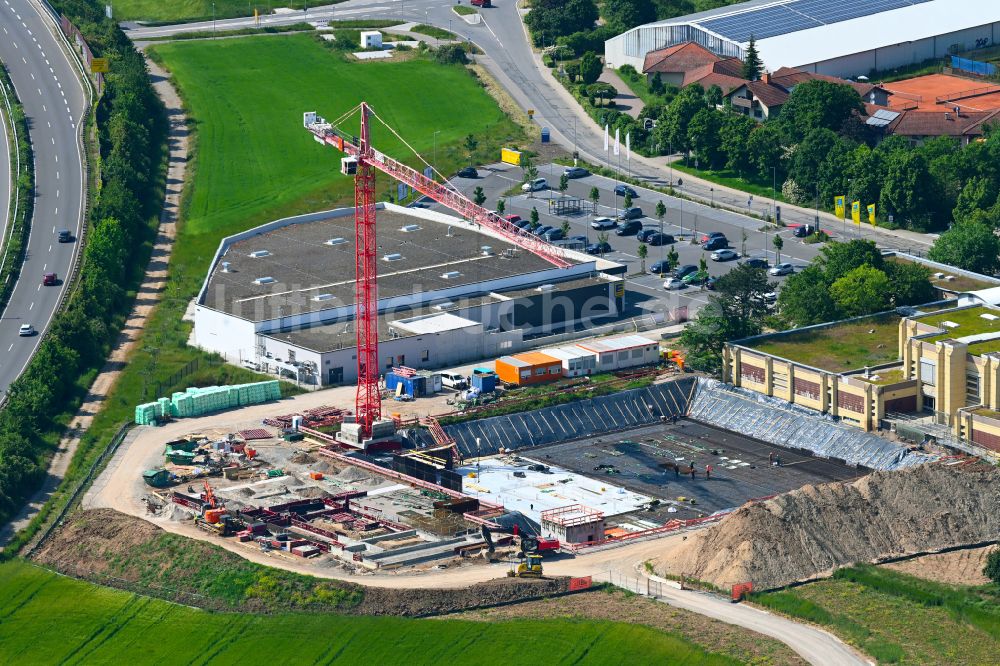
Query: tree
{"x": 595, "y": 197}
{"x": 737, "y": 311}
{"x": 572, "y": 71}
{"x": 530, "y": 173}
{"x": 590, "y": 67}
{"x": 549, "y": 19}
{"x": 734, "y": 139}
{"x": 778, "y": 244}
{"x": 764, "y": 148}
{"x": 752, "y": 65}
{"x": 673, "y": 258}
{"x": 818, "y": 104}
{"x": 838, "y": 259}
{"x": 563, "y": 184}
{"x": 479, "y": 196}
{"x": 656, "y": 84}
{"x": 534, "y": 217}
{"x": 969, "y": 245}
{"x": 812, "y": 153}
{"x": 714, "y": 96}
{"x": 673, "y": 128}
{"x": 501, "y": 206}
{"x": 805, "y": 299}
{"x": 910, "y": 284}
{"x": 992, "y": 568}
{"x": 703, "y": 137}
{"x": 565, "y": 228}
{"x": 661, "y": 211}
{"x": 627, "y": 203}
{"x": 450, "y": 54}
{"x": 910, "y": 193}
{"x": 627, "y": 14}
{"x": 602, "y": 241}
{"x": 864, "y": 290}
{"x": 470, "y": 146}
{"x": 643, "y": 252}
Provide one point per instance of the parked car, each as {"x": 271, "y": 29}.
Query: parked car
{"x": 453, "y": 380}
{"x": 49, "y": 279}
{"x": 486, "y": 4}
{"x": 535, "y": 185}
{"x": 599, "y": 248}
{"x": 581, "y": 239}
{"x": 782, "y": 269}
{"x": 804, "y": 230}
{"x": 513, "y": 219}
{"x": 602, "y": 223}
{"x": 633, "y": 213}
{"x": 710, "y": 283}
{"x": 644, "y": 235}
{"x": 698, "y": 277}
{"x": 64, "y": 236}
{"x": 757, "y": 262}
{"x": 658, "y": 239}
{"x": 683, "y": 271}
{"x": 716, "y": 243}
{"x": 709, "y": 236}
{"x": 621, "y": 190}
{"x": 553, "y": 235}
{"x": 672, "y": 283}
{"x": 576, "y": 172}
{"x": 523, "y": 224}
{"x": 26, "y": 330}
{"x": 628, "y": 228}
{"x": 771, "y": 297}
{"x": 540, "y": 230}
{"x": 660, "y": 267}
{"x": 724, "y": 255}
{"x": 468, "y": 172}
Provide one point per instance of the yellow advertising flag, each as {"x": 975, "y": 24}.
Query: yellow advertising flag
{"x": 856, "y": 212}
{"x": 871, "y": 214}
{"x": 838, "y": 203}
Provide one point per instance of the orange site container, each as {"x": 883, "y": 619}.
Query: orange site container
{"x": 528, "y": 368}
{"x": 316, "y": 476}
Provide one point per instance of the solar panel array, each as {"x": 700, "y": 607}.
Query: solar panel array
{"x": 795, "y": 15}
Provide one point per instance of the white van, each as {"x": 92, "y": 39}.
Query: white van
{"x": 454, "y": 380}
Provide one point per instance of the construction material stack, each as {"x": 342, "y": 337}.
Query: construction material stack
{"x": 198, "y": 401}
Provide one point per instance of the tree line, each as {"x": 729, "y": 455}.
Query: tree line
{"x": 131, "y": 133}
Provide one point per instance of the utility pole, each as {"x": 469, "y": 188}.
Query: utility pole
{"x": 817, "y": 206}
{"x": 774, "y": 194}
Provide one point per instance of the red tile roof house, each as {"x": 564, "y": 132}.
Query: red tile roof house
{"x": 688, "y": 63}
{"x": 918, "y": 125}
{"x": 764, "y": 98}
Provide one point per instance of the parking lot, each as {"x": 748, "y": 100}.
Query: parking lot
{"x": 747, "y": 236}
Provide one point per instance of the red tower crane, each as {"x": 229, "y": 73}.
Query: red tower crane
{"x": 368, "y": 404}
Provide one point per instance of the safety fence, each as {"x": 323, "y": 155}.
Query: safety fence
{"x": 976, "y": 67}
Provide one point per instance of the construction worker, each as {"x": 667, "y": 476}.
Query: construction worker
{"x": 708, "y": 472}
{"x": 677, "y": 470}
{"x": 770, "y": 458}
{"x": 692, "y": 471}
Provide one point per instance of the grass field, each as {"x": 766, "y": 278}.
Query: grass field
{"x": 898, "y": 618}
{"x": 186, "y": 10}
{"x": 847, "y": 346}
{"x": 47, "y": 619}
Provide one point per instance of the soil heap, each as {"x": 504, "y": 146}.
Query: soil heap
{"x": 811, "y": 531}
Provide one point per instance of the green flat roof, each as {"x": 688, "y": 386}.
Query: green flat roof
{"x": 969, "y": 320}
{"x": 839, "y": 347}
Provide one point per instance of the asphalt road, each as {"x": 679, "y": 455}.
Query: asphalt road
{"x": 6, "y": 173}
{"x": 54, "y": 101}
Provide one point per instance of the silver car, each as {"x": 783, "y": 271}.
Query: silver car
{"x": 601, "y": 223}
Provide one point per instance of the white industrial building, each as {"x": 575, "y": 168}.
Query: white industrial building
{"x": 844, "y": 38}
{"x": 280, "y": 297}
{"x": 623, "y": 352}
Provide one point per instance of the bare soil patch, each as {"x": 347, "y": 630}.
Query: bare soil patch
{"x": 958, "y": 567}
{"x": 809, "y": 532}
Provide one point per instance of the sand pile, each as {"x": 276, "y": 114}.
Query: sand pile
{"x": 813, "y": 530}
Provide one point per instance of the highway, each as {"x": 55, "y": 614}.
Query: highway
{"x": 54, "y": 102}
{"x": 6, "y": 172}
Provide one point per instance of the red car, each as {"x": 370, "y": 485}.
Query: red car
{"x": 49, "y": 279}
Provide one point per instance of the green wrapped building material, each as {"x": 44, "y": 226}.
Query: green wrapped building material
{"x": 196, "y": 401}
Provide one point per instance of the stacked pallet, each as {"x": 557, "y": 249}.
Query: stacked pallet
{"x": 197, "y": 401}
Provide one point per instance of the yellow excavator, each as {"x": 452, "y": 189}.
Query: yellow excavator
{"x": 529, "y": 567}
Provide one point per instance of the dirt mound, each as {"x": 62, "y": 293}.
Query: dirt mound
{"x": 93, "y": 537}
{"x": 423, "y": 602}
{"x": 958, "y": 567}
{"x": 813, "y": 530}
{"x": 302, "y": 458}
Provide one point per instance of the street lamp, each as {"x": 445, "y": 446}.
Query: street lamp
{"x": 774, "y": 193}
{"x": 213, "y": 19}
{"x": 712, "y": 190}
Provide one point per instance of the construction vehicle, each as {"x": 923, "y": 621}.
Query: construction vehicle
{"x": 529, "y": 567}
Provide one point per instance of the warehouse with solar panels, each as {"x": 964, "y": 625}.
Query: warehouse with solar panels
{"x": 845, "y": 38}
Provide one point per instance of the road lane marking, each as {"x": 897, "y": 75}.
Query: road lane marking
{"x": 50, "y": 247}
{"x": 11, "y": 346}
{"x": 31, "y": 306}
{"x": 57, "y": 175}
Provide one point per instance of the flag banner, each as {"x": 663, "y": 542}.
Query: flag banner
{"x": 605, "y": 138}
{"x": 856, "y": 212}
{"x": 871, "y": 214}
{"x": 617, "y": 143}
{"x": 628, "y": 146}
{"x": 838, "y": 203}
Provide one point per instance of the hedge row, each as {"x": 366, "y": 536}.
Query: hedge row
{"x": 20, "y": 223}
{"x": 131, "y": 142}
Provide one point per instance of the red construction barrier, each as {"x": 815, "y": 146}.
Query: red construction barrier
{"x": 582, "y": 583}
{"x": 740, "y": 590}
